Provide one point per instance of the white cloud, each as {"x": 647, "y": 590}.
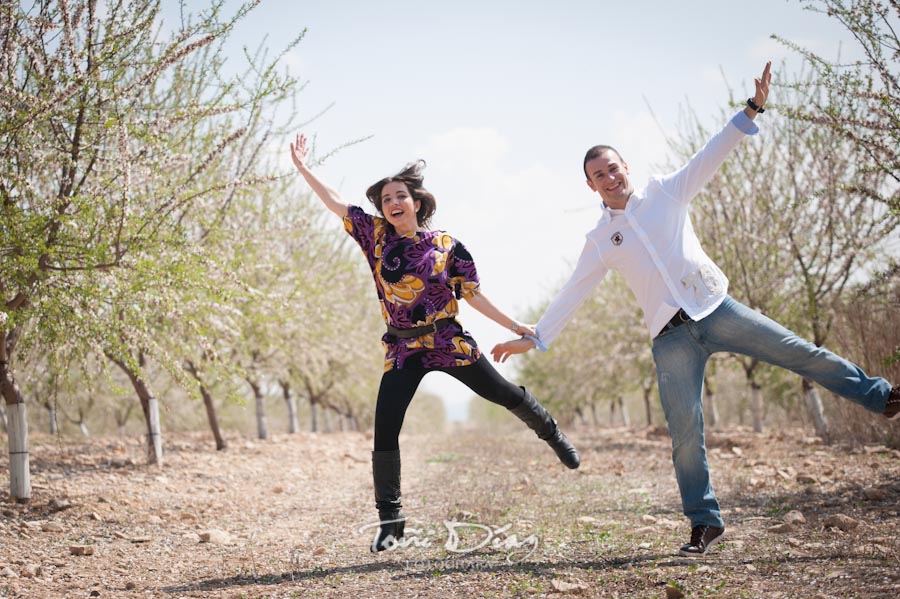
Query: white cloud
{"x": 641, "y": 142}
{"x": 293, "y": 60}
{"x": 517, "y": 216}
{"x": 766, "y": 48}
{"x": 831, "y": 48}
{"x": 475, "y": 151}
{"x": 482, "y": 186}
{"x": 712, "y": 76}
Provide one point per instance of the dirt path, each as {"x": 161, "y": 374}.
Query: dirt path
{"x": 491, "y": 515}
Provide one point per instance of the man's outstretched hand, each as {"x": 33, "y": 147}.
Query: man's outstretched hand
{"x": 762, "y": 86}
{"x": 762, "y": 91}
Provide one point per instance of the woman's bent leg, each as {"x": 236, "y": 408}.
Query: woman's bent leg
{"x": 483, "y": 379}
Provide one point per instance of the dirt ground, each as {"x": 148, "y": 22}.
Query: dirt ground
{"x": 491, "y": 514}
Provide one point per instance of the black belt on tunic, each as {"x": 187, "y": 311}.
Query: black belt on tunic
{"x": 425, "y": 329}
{"x": 679, "y": 319}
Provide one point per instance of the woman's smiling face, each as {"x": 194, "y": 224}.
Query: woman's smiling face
{"x": 399, "y": 208}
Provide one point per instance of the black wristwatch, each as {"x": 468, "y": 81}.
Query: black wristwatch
{"x": 753, "y": 106}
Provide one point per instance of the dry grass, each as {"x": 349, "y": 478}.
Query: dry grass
{"x": 294, "y": 507}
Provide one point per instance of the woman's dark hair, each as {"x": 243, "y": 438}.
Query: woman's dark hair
{"x": 412, "y": 176}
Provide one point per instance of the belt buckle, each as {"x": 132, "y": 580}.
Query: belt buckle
{"x": 682, "y": 318}
{"x": 432, "y": 326}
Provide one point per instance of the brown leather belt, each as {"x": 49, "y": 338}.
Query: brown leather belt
{"x": 679, "y": 319}
{"x": 426, "y": 329}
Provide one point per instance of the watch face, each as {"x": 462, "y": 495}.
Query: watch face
{"x": 616, "y": 238}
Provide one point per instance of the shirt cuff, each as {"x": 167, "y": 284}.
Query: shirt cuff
{"x": 745, "y": 123}
{"x": 537, "y": 342}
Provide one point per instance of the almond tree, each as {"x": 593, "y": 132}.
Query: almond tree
{"x": 282, "y": 258}
{"x": 862, "y": 105}
{"x": 792, "y": 219}
{"x": 330, "y": 343}
{"x": 208, "y": 404}
{"x": 105, "y": 145}
{"x": 603, "y": 353}
{"x": 211, "y": 276}
{"x": 860, "y": 329}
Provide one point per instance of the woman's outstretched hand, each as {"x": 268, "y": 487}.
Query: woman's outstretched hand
{"x": 299, "y": 152}
{"x": 502, "y": 351}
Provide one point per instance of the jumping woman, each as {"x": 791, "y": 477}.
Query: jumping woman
{"x": 419, "y": 275}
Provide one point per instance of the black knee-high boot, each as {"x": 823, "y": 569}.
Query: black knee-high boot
{"x": 386, "y": 474}
{"x": 539, "y": 420}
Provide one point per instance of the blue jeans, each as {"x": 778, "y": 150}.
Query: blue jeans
{"x": 681, "y": 355}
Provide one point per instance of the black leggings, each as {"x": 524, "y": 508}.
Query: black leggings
{"x": 399, "y": 386}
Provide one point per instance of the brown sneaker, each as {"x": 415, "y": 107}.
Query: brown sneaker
{"x": 892, "y": 407}
{"x": 702, "y": 539}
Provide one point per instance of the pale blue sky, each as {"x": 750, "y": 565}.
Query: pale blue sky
{"x": 503, "y": 98}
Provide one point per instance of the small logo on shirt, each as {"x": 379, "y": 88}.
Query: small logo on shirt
{"x": 616, "y": 238}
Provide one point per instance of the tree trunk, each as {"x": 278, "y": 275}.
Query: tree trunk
{"x": 3, "y": 416}
{"x": 816, "y": 410}
{"x": 756, "y": 406}
{"x": 315, "y": 395}
{"x": 293, "y": 422}
{"x": 594, "y": 416}
{"x": 262, "y": 429}
{"x": 579, "y": 415}
{"x": 19, "y": 468}
{"x": 756, "y": 403}
{"x": 647, "y": 389}
{"x": 17, "y": 433}
{"x": 82, "y": 426}
{"x": 211, "y": 417}
{"x": 155, "y": 445}
{"x": 620, "y": 403}
{"x": 122, "y": 418}
{"x": 709, "y": 402}
{"x": 626, "y": 420}
{"x": 51, "y": 413}
{"x": 150, "y": 406}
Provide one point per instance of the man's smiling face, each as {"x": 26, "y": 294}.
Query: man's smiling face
{"x": 608, "y": 176}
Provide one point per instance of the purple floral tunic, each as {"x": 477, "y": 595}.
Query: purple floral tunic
{"x": 419, "y": 278}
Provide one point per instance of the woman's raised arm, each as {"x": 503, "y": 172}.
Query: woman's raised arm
{"x": 329, "y": 196}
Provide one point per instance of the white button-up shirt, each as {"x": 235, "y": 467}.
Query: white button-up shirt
{"x": 653, "y": 244}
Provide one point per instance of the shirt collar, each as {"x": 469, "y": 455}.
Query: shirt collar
{"x": 608, "y": 212}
